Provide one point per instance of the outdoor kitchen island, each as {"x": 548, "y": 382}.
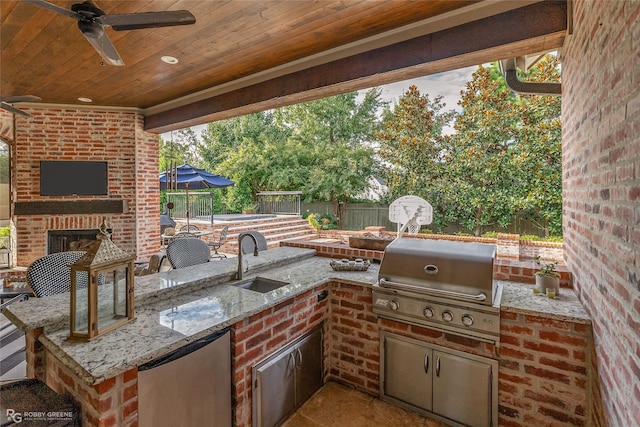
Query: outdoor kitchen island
{"x": 544, "y": 355}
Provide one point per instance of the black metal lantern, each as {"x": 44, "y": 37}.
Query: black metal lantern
{"x": 101, "y": 289}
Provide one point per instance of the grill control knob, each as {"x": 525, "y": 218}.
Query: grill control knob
{"x": 393, "y": 305}
{"x": 428, "y": 312}
{"x": 447, "y": 316}
{"x": 467, "y": 320}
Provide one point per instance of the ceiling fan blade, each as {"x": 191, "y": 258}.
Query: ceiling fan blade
{"x": 54, "y": 8}
{"x": 23, "y": 98}
{"x": 13, "y": 109}
{"x": 136, "y": 21}
{"x": 103, "y": 45}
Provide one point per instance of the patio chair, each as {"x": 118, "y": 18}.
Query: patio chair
{"x": 153, "y": 266}
{"x": 51, "y": 274}
{"x": 186, "y": 252}
{"x": 182, "y": 235}
{"x": 248, "y": 245}
{"x": 217, "y": 244}
{"x": 190, "y": 227}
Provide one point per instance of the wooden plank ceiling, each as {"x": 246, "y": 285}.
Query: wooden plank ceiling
{"x": 255, "y": 46}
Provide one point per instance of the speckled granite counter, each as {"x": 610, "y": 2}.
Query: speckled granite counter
{"x": 198, "y": 304}
{"x": 519, "y": 298}
{"x": 180, "y": 306}
{"x": 53, "y": 311}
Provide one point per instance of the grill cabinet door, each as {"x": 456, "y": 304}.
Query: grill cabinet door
{"x": 407, "y": 372}
{"x": 274, "y": 389}
{"x": 462, "y": 389}
{"x": 308, "y": 356}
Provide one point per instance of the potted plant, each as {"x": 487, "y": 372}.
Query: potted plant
{"x": 547, "y": 278}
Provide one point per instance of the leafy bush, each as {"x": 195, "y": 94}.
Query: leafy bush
{"x": 329, "y": 221}
{"x": 425, "y": 231}
{"x": 558, "y": 239}
{"x": 5, "y": 231}
{"x": 313, "y": 221}
{"x": 491, "y": 235}
{"x": 530, "y": 237}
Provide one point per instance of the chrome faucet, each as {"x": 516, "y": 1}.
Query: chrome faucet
{"x": 255, "y": 252}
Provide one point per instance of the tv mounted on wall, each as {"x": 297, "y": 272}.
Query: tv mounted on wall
{"x": 70, "y": 178}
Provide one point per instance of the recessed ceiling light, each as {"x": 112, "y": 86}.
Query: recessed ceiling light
{"x": 169, "y": 59}
{"x": 85, "y": 99}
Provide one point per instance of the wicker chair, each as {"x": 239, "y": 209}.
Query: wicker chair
{"x": 187, "y": 251}
{"x": 51, "y": 274}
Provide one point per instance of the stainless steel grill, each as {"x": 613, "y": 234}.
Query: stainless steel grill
{"x": 440, "y": 284}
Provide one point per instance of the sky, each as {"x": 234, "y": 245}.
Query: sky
{"x": 448, "y": 84}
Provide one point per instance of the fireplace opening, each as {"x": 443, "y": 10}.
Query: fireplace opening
{"x": 70, "y": 240}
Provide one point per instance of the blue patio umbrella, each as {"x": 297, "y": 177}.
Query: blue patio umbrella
{"x": 186, "y": 177}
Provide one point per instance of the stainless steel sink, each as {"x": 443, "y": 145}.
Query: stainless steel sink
{"x": 262, "y": 285}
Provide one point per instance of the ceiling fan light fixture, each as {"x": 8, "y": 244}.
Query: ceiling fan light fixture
{"x": 83, "y": 99}
{"x": 169, "y": 59}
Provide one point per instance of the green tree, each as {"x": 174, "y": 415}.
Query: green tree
{"x": 319, "y": 147}
{"x": 413, "y": 149}
{"x": 540, "y": 138}
{"x": 182, "y": 147}
{"x": 331, "y": 147}
{"x": 236, "y": 147}
{"x": 486, "y": 181}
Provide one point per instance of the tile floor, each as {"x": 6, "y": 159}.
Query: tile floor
{"x": 341, "y": 406}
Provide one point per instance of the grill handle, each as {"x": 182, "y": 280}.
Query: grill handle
{"x": 436, "y": 292}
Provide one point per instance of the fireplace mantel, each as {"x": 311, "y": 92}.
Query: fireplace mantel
{"x": 71, "y": 207}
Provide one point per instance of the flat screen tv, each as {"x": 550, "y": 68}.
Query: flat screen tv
{"x": 70, "y": 178}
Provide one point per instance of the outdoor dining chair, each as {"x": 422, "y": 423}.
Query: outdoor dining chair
{"x": 190, "y": 227}
{"x": 187, "y": 251}
{"x": 51, "y": 274}
{"x": 217, "y": 244}
{"x": 248, "y": 245}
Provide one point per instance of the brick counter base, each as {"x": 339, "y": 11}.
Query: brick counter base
{"x": 544, "y": 376}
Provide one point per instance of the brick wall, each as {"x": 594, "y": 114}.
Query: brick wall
{"x": 113, "y": 402}
{"x": 545, "y": 365}
{"x": 90, "y": 135}
{"x": 354, "y": 331}
{"x": 261, "y": 335}
{"x": 601, "y": 192}
{"x": 354, "y": 336}
{"x": 544, "y": 371}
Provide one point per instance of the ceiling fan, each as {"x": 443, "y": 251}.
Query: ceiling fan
{"x": 5, "y": 103}
{"x": 92, "y": 20}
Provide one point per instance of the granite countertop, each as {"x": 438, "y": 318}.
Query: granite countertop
{"x": 180, "y": 306}
{"x": 53, "y": 311}
{"x": 519, "y": 298}
{"x": 164, "y": 324}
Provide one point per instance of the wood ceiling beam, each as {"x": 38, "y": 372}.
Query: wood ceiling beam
{"x": 533, "y": 28}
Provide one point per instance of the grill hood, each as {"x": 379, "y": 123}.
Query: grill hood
{"x": 454, "y": 270}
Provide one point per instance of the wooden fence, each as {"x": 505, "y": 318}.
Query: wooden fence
{"x": 361, "y": 215}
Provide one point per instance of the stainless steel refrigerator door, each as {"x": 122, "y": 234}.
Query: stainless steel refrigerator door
{"x": 194, "y": 389}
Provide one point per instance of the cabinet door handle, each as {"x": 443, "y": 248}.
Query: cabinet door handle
{"x": 299, "y": 365}
{"x": 438, "y": 366}
{"x": 426, "y": 363}
{"x": 292, "y": 360}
